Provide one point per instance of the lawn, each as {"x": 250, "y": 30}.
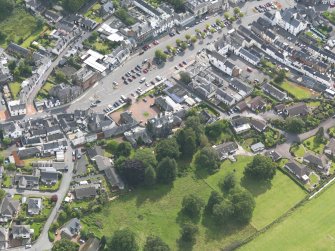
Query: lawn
{"x": 310, "y": 144}
{"x": 311, "y": 227}
{"x": 271, "y": 200}
{"x": 330, "y": 15}
{"x": 150, "y": 211}
{"x": 18, "y": 26}
{"x": 297, "y": 91}
{"x": 313, "y": 104}
{"x": 298, "y": 151}
{"x": 50, "y": 188}
{"x": 34, "y": 36}
{"x": 15, "y": 89}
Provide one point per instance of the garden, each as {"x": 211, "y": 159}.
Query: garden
{"x": 18, "y": 27}
{"x": 94, "y": 13}
{"x": 98, "y": 44}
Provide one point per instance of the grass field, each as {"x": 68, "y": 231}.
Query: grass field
{"x": 19, "y": 25}
{"x": 271, "y": 201}
{"x": 311, "y": 227}
{"x": 310, "y": 144}
{"x": 93, "y": 13}
{"x": 156, "y": 211}
{"x": 297, "y": 91}
{"x": 15, "y": 89}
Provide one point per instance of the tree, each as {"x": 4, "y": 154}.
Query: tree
{"x": 6, "y": 141}
{"x": 193, "y": 39}
{"x": 208, "y": 158}
{"x": 214, "y": 198}
{"x": 123, "y": 240}
{"x": 183, "y": 45}
{"x": 6, "y": 7}
{"x": 54, "y": 198}
{"x": 223, "y": 211}
{"x": 195, "y": 123}
{"x": 65, "y": 245}
{"x": 237, "y": 11}
{"x": 150, "y": 176}
{"x": 197, "y": 30}
{"x": 123, "y": 149}
{"x": 226, "y": 15}
{"x": 187, "y": 36}
{"x": 72, "y": 5}
{"x": 214, "y": 130}
{"x": 11, "y": 65}
{"x": 192, "y": 205}
{"x": 244, "y": 205}
{"x": 320, "y": 136}
{"x": 217, "y": 21}
{"x": 261, "y": 168}
{"x": 207, "y": 26}
{"x": 280, "y": 76}
{"x": 2, "y": 194}
{"x": 178, "y": 41}
{"x": 187, "y": 142}
{"x": 185, "y": 77}
{"x": 169, "y": 47}
{"x": 60, "y": 76}
{"x": 112, "y": 146}
{"x": 188, "y": 232}
{"x": 294, "y": 124}
{"x": 167, "y": 148}
{"x": 159, "y": 54}
{"x": 167, "y": 170}
{"x": 228, "y": 182}
{"x": 155, "y": 243}
{"x": 147, "y": 156}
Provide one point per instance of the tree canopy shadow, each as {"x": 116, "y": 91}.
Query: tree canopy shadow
{"x": 143, "y": 194}
{"x": 256, "y": 187}
{"x": 183, "y": 218}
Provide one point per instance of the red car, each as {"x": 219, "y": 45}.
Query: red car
{"x": 156, "y": 42}
{"x": 145, "y": 71}
{"x": 181, "y": 65}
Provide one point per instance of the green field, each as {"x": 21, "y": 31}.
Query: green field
{"x": 18, "y": 26}
{"x": 311, "y": 227}
{"x": 297, "y": 91}
{"x": 271, "y": 201}
{"x": 156, "y": 211}
{"x": 310, "y": 144}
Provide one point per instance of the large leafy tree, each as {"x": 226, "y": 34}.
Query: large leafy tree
{"x": 123, "y": 240}
{"x": 223, "y": 211}
{"x": 228, "y": 182}
{"x": 147, "y": 156}
{"x": 167, "y": 170}
{"x": 294, "y": 125}
{"x": 244, "y": 205}
{"x": 187, "y": 142}
{"x": 6, "y": 7}
{"x": 208, "y": 159}
{"x": 155, "y": 243}
{"x": 192, "y": 205}
{"x": 261, "y": 168}
{"x": 123, "y": 149}
{"x": 167, "y": 148}
{"x": 188, "y": 232}
{"x": 214, "y": 198}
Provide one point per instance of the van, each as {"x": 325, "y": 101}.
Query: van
{"x": 142, "y": 80}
